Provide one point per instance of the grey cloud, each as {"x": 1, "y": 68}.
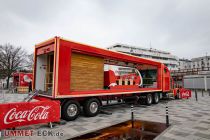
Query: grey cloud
{"x": 179, "y": 26}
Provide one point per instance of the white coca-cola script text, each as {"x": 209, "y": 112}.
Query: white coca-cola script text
{"x": 36, "y": 113}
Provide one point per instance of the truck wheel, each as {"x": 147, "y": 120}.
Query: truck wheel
{"x": 149, "y": 99}
{"x": 91, "y": 107}
{"x": 156, "y": 98}
{"x": 70, "y": 110}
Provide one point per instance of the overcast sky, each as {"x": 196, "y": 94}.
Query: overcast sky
{"x": 181, "y": 27}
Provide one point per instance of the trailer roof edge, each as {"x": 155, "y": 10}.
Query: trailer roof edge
{"x": 109, "y": 50}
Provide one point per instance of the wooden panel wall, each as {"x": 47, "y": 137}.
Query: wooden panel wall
{"x": 87, "y": 72}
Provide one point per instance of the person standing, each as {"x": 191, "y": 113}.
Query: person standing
{"x": 30, "y": 86}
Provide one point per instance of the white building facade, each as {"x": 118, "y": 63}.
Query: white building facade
{"x": 200, "y": 62}
{"x": 195, "y": 63}
{"x": 168, "y": 59}
{"x": 184, "y": 64}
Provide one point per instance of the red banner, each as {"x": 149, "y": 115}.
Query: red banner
{"x": 28, "y": 113}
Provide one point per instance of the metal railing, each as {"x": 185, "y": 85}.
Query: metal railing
{"x": 189, "y": 71}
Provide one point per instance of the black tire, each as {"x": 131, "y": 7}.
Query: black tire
{"x": 148, "y": 99}
{"x": 95, "y": 104}
{"x": 72, "y": 106}
{"x": 156, "y": 98}
{"x": 142, "y": 100}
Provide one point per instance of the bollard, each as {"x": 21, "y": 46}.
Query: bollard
{"x": 196, "y": 96}
{"x": 202, "y": 92}
{"x": 167, "y": 116}
{"x": 50, "y": 125}
{"x": 3, "y": 96}
{"x": 132, "y": 116}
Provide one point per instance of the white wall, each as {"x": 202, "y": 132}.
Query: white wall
{"x": 197, "y": 82}
{"x": 41, "y": 72}
{"x": 208, "y": 82}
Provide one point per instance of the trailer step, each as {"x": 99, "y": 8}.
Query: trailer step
{"x": 30, "y": 96}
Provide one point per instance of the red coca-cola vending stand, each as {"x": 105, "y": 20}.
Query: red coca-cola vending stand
{"x": 21, "y": 81}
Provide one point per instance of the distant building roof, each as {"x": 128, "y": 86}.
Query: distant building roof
{"x": 139, "y": 48}
{"x": 185, "y": 60}
{"x": 199, "y": 58}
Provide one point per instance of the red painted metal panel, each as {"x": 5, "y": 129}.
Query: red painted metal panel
{"x": 64, "y": 69}
{"x": 28, "y": 113}
{"x": 107, "y": 54}
{"x": 166, "y": 79}
{"x": 159, "y": 77}
{"x": 111, "y": 91}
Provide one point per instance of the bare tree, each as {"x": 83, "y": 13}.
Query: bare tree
{"x": 30, "y": 62}
{"x": 11, "y": 59}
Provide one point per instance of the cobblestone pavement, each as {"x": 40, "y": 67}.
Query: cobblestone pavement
{"x": 8, "y": 97}
{"x": 190, "y": 119}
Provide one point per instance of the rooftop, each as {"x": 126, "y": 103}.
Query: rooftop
{"x": 139, "y": 48}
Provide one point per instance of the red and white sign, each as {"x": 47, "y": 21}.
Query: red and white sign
{"x": 185, "y": 93}
{"x": 22, "y": 79}
{"x": 27, "y": 113}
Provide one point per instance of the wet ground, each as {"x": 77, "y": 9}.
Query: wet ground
{"x": 189, "y": 119}
{"x": 136, "y": 130}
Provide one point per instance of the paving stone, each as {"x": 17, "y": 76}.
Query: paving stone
{"x": 179, "y": 133}
{"x": 200, "y": 128}
{"x": 197, "y": 115}
{"x": 166, "y": 138}
{"x": 190, "y": 119}
{"x": 193, "y": 137}
{"x": 205, "y": 122}
{"x": 80, "y": 128}
{"x": 202, "y": 135}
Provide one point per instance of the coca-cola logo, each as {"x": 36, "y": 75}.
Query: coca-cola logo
{"x": 36, "y": 113}
{"x": 186, "y": 94}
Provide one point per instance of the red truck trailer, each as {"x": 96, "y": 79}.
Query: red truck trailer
{"x": 84, "y": 76}
{"x": 69, "y": 77}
